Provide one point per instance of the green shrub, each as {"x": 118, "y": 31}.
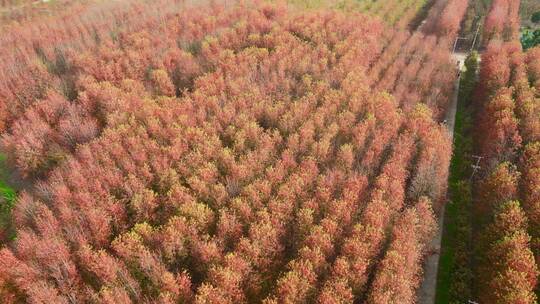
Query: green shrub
{"x": 530, "y": 38}
{"x": 535, "y": 18}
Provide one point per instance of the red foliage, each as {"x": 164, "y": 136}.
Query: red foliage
{"x": 350, "y": 271}
{"x": 48, "y": 131}
{"x": 416, "y": 68}
{"x": 444, "y": 19}
{"x": 449, "y": 20}
{"x": 495, "y": 70}
{"x": 503, "y": 21}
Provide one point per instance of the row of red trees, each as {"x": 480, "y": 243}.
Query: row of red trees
{"x": 225, "y": 155}
{"x": 503, "y": 21}
{"x": 418, "y": 66}
{"x": 444, "y": 19}
{"x": 400, "y": 272}
{"x": 399, "y": 14}
{"x": 32, "y": 56}
{"x": 411, "y": 77}
{"x": 508, "y": 135}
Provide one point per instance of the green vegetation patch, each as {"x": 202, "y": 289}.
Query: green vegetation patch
{"x": 535, "y": 18}
{"x": 6, "y": 192}
{"x": 530, "y": 38}
{"x": 7, "y": 201}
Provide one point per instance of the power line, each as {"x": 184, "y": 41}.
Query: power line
{"x": 455, "y": 43}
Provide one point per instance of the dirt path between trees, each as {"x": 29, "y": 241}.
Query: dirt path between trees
{"x": 428, "y": 289}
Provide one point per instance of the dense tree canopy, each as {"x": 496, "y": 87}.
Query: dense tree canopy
{"x": 225, "y": 154}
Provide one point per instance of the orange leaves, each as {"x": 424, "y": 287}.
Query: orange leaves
{"x": 530, "y": 185}
{"x": 530, "y": 166}
{"x": 398, "y": 274}
{"x": 162, "y": 83}
{"x": 502, "y": 137}
{"x": 510, "y": 273}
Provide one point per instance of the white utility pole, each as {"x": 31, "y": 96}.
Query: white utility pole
{"x": 476, "y": 166}
{"x": 476, "y": 35}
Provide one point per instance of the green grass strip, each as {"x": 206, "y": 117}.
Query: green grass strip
{"x": 455, "y": 273}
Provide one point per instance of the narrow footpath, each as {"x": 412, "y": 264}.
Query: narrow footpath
{"x": 428, "y": 289}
